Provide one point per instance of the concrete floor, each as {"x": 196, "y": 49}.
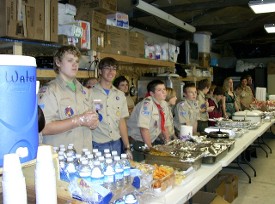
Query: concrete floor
{"x": 262, "y": 188}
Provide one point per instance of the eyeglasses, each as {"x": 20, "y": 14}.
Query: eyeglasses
{"x": 110, "y": 68}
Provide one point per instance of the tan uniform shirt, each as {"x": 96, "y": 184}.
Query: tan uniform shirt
{"x": 245, "y": 96}
{"x": 202, "y": 104}
{"x": 59, "y": 102}
{"x": 146, "y": 115}
{"x": 186, "y": 112}
{"x": 130, "y": 102}
{"x": 113, "y": 108}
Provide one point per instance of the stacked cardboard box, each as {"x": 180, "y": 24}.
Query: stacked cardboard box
{"x": 29, "y": 19}
{"x": 104, "y": 6}
{"x": 116, "y": 40}
{"x": 136, "y": 44}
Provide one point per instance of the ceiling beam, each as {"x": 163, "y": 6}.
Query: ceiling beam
{"x": 194, "y": 6}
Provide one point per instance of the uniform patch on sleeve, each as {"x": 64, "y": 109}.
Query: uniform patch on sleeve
{"x": 182, "y": 103}
{"x": 145, "y": 112}
{"x": 183, "y": 113}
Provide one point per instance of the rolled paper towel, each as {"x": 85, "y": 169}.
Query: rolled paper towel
{"x": 186, "y": 132}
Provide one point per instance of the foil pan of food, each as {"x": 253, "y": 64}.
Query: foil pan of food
{"x": 176, "y": 158}
{"x": 214, "y": 153}
{"x": 234, "y": 123}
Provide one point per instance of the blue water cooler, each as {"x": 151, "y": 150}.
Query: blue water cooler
{"x": 18, "y": 107}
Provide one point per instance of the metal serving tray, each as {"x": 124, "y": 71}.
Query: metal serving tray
{"x": 174, "y": 162}
{"x": 214, "y": 159}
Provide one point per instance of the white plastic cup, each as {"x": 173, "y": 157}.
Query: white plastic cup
{"x": 45, "y": 178}
{"x": 13, "y": 181}
{"x": 186, "y": 132}
{"x": 45, "y": 187}
{"x": 12, "y": 166}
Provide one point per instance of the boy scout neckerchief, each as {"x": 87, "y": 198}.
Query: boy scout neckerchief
{"x": 162, "y": 118}
{"x": 72, "y": 86}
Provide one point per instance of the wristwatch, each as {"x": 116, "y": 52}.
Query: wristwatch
{"x": 127, "y": 148}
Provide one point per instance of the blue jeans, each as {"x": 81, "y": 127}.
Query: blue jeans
{"x": 112, "y": 146}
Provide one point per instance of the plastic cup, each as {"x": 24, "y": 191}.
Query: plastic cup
{"x": 12, "y": 167}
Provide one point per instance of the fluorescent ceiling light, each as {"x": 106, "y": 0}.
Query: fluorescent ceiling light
{"x": 270, "y": 28}
{"x": 163, "y": 15}
{"x": 263, "y": 6}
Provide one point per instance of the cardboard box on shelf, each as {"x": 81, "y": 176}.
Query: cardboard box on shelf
{"x": 10, "y": 24}
{"x": 116, "y": 40}
{"x": 39, "y": 20}
{"x": 104, "y": 6}
{"x": 54, "y": 21}
{"x": 97, "y": 40}
{"x": 118, "y": 19}
{"x": 204, "y": 59}
{"x": 30, "y": 21}
{"x": 85, "y": 41}
{"x": 96, "y": 19}
{"x": 136, "y": 44}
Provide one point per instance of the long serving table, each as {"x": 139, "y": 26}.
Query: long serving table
{"x": 202, "y": 176}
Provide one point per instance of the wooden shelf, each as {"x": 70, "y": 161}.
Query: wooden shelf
{"x": 49, "y": 73}
{"x": 134, "y": 60}
{"x": 194, "y": 79}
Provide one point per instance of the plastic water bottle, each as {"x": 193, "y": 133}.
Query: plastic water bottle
{"x": 106, "y": 151}
{"x": 126, "y": 168}
{"x": 119, "y": 181}
{"x": 108, "y": 156}
{"x": 71, "y": 150}
{"x": 86, "y": 154}
{"x": 62, "y": 166}
{"x": 55, "y": 149}
{"x": 114, "y": 153}
{"x": 77, "y": 160}
{"x": 95, "y": 151}
{"x": 83, "y": 151}
{"x": 84, "y": 171}
{"x": 90, "y": 160}
{"x": 101, "y": 159}
{"x": 97, "y": 176}
{"x": 97, "y": 155}
{"x": 109, "y": 175}
{"x": 70, "y": 169}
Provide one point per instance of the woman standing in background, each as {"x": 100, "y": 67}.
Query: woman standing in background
{"x": 171, "y": 99}
{"x": 122, "y": 84}
{"x": 229, "y": 101}
{"x": 245, "y": 94}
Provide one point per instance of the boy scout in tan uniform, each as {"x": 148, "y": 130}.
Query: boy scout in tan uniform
{"x": 146, "y": 115}
{"x": 67, "y": 105}
{"x": 149, "y": 119}
{"x": 187, "y": 111}
{"x": 113, "y": 108}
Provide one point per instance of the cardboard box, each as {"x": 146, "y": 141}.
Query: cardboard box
{"x": 225, "y": 185}
{"x": 30, "y": 21}
{"x": 118, "y": 19}
{"x": 39, "y": 20}
{"x": 97, "y": 40}
{"x": 204, "y": 59}
{"x": 202, "y": 197}
{"x": 85, "y": 40}
{"x": 54, "y": 21}
{"x": 96, "y": 19}
{"x": 104, "y": 6}
{"x": 116, "y": 40}
{"x": 136, "y": 44}
{"x": 9, "y": 23}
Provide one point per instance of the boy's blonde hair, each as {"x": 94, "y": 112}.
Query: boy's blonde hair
{"x": 58, "y": 56}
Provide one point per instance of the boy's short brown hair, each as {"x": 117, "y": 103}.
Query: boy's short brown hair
{"x": 188, "y": 85}
{"x": 61, "y": 52}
